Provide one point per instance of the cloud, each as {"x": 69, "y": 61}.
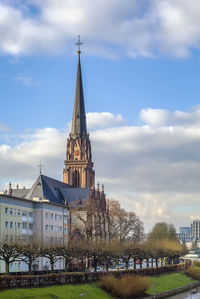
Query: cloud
{"x": 161, "y": 117}
{"x": 153, "y": 169}
{"x": 26, "y": 79}
{"x": 109, "y": 28}
{"x": 97, "y": 120}
{"x": 4, "y": 128}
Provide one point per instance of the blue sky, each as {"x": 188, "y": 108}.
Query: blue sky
{"x": 141, "y": 73}
{"x": 38, "y": 91}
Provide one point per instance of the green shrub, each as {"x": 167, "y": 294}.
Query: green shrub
{"x": 196, "y": 263}
{"x": 127, "y": 286}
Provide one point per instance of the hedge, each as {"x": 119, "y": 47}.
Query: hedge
{"x": 24, "y": 281}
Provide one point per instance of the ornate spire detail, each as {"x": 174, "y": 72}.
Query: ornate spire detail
{"x": 79, "y": 127}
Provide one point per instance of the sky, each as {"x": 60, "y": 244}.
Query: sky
{"x": 141, "y": 73}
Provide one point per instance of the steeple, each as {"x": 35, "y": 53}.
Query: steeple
{"x": 78, "y": 169}
{"x": 79, "y": 127}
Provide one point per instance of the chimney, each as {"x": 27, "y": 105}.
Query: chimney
{"x": 10, "y": 189}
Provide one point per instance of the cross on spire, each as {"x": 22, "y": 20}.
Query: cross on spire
{"x": 40, "y": 166}
{"x": 78, "y": 44}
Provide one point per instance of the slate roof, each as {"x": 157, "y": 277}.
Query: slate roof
{"x": 56, "y": 191}
{"x": 20, "y": 192}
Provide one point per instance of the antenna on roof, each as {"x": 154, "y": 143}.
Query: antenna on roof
{"x": 40, "y": 166}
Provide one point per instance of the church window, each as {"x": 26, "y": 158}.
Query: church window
{"x": 76, "y": 178}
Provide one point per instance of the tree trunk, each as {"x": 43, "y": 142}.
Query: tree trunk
{"x": 127, "y": 261}
{"x": 7, "y": 266}
{"x": 52, "y": 266}
{"x": 29, "y": 266}
{"x": 107, "y": 265}
{"x": 66, "y": 265}
{"x": 134, "y": 261}
{"x": 140, "y": 263}
{"x": 151, "y": 262}
{"x": 147, "y": 261}
{"x": 156, "y": 262}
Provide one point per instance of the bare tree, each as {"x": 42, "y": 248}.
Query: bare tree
{"x": 9, "y": 253}
{"x": 125, "y": 226}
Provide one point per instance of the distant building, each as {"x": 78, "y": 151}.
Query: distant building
{"x": 184, "y": 234}
{"x": 195, "y": 230}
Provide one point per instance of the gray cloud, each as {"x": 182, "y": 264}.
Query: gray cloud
{"x": 152, "y": 169}
{"x": 109, "y": 28}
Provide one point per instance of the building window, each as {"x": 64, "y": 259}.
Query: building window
{"x": 6, "y": 224}
{"x": 11, "y": 224}
{"x": 30, "y": 226}
{"x": 18, "y": 212}
{"x": 60, "y": 217}
{"x": 60, "y": 228}
{"x": 24, "y": 213}
{"x": 19, "y": 226}
{"x": 51, "y": 227}
{"x": 55, "y": 216}
{"x": 46, "y": 215}
{"x": 6, "y": 211}
{"x": 11, "y": 212}
{"x": 24, "y": 225}
{"x": 30, "y": 214}
{"x": 51, "y": 216}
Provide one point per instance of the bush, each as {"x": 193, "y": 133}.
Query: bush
{"x": 193, "y": 272}
{"x": 196, "y": 263}
{"x": 127, "y": 286}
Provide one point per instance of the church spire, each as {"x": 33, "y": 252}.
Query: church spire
{"x": 78, "y": 170}
{"x": 79, "y": 127}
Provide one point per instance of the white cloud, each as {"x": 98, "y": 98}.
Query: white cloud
{"x": 97, "y": 120}
{"x": 161, "y": 117}
{"x": 4, "y": 128}
{"x": 153, "y": 169}
{"x": 109, "y": 28}
{"x": 26, "y": 79}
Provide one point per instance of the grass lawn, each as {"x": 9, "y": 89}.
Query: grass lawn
{"x": 57, "y": 292}
{"x": 167, "y": 282}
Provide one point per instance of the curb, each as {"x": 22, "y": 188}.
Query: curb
{"x": 176, "y": 291}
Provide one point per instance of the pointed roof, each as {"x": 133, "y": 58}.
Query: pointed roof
{"x": 56, "y": 191}
{"x": 79, "y": 127}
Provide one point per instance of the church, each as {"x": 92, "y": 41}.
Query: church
{"x": 75, "y": 198}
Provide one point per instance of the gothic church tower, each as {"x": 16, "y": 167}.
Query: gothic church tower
{"x": 78, "y": 169}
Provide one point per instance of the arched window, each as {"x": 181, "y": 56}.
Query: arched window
{"x": 76, "y": 178}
